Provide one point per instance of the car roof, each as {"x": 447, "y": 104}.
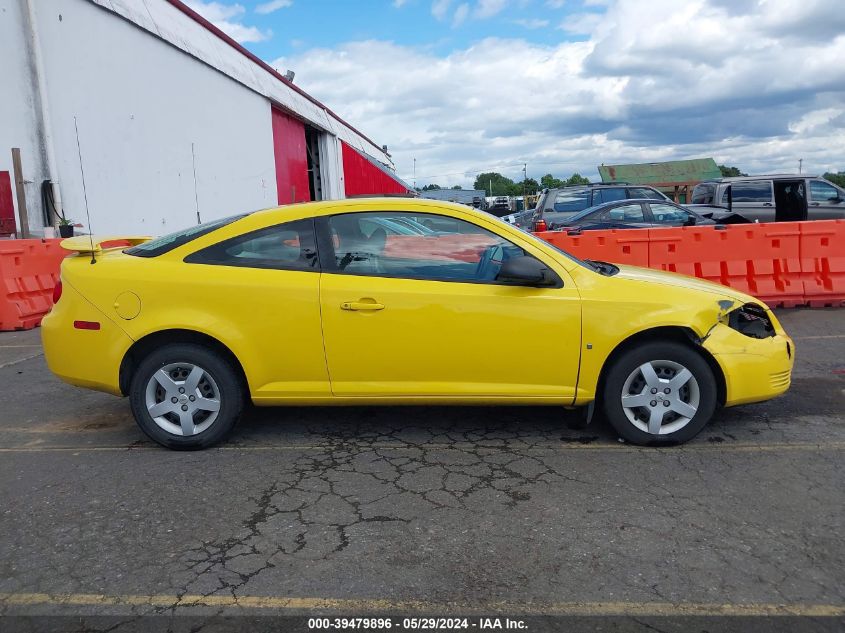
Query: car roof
{"x": 730, "y": 179}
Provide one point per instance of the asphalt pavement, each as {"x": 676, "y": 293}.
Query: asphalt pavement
{"x": 427, "y": 510}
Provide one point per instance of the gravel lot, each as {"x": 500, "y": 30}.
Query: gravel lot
{"x": 430, "y": 510}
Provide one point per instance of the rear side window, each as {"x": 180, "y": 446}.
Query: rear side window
{"x": 625, "y": 213}
{"x": 174, "y": 240}
{"x": 288, "y": 246}
{"x": 756, "y": 191}
{"x": 609, "y": 195}
{"x": 572, "y": 201}
{"x": 704, "y": 193}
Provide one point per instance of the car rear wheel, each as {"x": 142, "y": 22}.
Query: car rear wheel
{"x": 186, "y": 397}
{"x": 659, "y": 393}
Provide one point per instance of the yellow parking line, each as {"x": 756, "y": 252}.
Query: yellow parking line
{"x": 673, "y": 450}
{"x": 386, "y": 605}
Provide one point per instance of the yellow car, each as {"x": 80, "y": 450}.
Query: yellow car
{"x": 398, "y": 301}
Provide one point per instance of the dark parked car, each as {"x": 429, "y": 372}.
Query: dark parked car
{"x": 556, "y": 206}
{"x": 775, "y": 198}
{"x": 641, "y": 214}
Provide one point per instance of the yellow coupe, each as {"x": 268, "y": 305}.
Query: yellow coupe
{"x": 398, "y": 301}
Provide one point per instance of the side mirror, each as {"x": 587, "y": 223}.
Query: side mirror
{"x": 527, "y": 271}
{"x": 690, "y": 221}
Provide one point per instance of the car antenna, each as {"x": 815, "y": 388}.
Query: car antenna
{"x": 84, "y": 191}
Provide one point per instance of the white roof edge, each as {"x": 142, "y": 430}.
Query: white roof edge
{"x": 165, "y": 21}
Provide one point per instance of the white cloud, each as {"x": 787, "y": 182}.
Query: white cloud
{"x": 489, "y": 8}
{"x": 656, "y": 81}
{"x": 533, "y": 23}
{"x": 555, "y": 4}
{"x": 272, "y": 5}
{"x": 461, "y": 14}
{"x": 222, "y": 15}
{"x": 399, "y": 3}
{"x": 581, "y": 23}
{"x": 439, "y": 8}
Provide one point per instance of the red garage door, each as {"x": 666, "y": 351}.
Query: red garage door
{"x": 364, "y": 176}
{"x": 291, "y": 158}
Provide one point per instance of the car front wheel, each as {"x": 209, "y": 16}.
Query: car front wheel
{"x": 659, "y": 393}
{"x": 186, "y": 397}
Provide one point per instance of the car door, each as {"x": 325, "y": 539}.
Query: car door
{"x": 629, "y": 215}
{"x": 423, "y": 316}
{"x": 753, "y": 199}
{"x": 826, "y": 201}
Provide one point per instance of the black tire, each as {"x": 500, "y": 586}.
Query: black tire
{"x": 659, "y": 353}
{"x": 228, "y": 387}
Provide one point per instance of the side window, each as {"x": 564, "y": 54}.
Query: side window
{"x": 645, "y": 192}
{"x": 456, "y": 251}
{"x": 759, "y": 191}
{"x": 624, "y": 213}
{"x": 822, "y": 192}
{"x": 608, "y": 195}
{"x": 667, "y": 214}
{"x": 572, "y": 201}
{"x": 289, "y": 246}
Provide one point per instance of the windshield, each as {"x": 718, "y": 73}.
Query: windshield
{"x": 173, "y": 240}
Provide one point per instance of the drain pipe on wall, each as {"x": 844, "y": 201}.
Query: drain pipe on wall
{"x": 41, "y": 92}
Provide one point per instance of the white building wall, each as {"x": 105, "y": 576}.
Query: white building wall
{"x": 19, "y": 123}
{"x": 140, "y": 105}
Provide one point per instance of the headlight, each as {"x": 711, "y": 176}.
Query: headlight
{"x": 751, "y": 320}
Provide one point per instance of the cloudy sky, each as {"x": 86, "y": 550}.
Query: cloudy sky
{"x": 565, "y": 85}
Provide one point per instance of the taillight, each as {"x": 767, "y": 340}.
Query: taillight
{"x": 57, "y": 292}
{"x": 540, "y": 225}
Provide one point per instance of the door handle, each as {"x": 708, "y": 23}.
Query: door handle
{"x": 361, "y": 305}
{"x": 814, "y": 204}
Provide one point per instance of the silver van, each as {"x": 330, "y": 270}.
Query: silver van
{"x": 774, "y": 198}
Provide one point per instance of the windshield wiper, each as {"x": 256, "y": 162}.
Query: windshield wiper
{"x": 602, "y": 268}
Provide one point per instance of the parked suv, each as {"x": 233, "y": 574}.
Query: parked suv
{"x": 774, "y": 198}
{"x": 556, "y": 206}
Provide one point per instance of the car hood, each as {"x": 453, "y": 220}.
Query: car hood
{"x": 647, "y": 275}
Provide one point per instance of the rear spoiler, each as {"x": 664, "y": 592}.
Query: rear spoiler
{"x": 91, "y": 245}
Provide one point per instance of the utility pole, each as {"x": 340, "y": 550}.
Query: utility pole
{"x": 524, "y": 185}
{"x": 800, "y": 164}
{"x": 491, "y": 187}
{"x": 415, "y": 172}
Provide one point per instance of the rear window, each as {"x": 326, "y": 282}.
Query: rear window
{"x": 703, "y": 193}
{"x": 174, "y": 240}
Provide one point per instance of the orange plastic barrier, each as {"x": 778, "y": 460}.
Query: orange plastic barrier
{"x": 823, "y": 262}
{"x": 617, "y": 246}
{"x": 784, "y": 264}
{"x": 762, "y": 260}
{"x": 29, "y": 270}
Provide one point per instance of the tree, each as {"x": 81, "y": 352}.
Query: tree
{"x": 550, "y": 182}
{"x": 730, "y": 172}
{"x": 577, "y": 179}
{"x": 501, "y": 186}
{"x": 457, "y": 187}
{"x": 836, "y": 179}
{"x": 432, "y": 187}
{"x": 529, "y": 187}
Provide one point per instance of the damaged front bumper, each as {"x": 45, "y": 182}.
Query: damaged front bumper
{"x": 754, "y": 352}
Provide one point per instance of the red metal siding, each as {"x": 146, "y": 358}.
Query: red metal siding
{"x": 7, "y": 208}
{"x": 364, "y": 178}
{"x": 291, "y": 158}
